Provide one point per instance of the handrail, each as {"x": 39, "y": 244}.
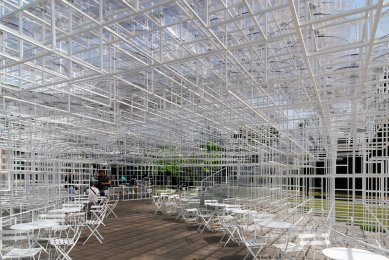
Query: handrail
{"x": 210, "y": 176}
{"x": 305, "y": 215}
{"x": 329, "y": 213}
{"x": 299, "y": 205}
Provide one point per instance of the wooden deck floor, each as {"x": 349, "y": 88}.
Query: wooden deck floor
{"x": 138, "y": 234}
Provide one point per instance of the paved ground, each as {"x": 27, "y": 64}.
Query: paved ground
{"x": 138, "y": 234}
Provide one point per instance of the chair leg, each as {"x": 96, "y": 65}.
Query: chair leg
{"x": 90, "y": 237}
{"x": 178, "y": 215}
{"x": 246, "y": 256}
{"x": 62, "y": 253}
{"x": 221, "y": 239}
{"x": 96, "y": 233}
{"x": 259, "y": 251}
{"x": 113, "y": 213}
{"x": 252, "y": 253}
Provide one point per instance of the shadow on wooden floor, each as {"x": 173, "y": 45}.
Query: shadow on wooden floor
{"x": 138, "y": 234}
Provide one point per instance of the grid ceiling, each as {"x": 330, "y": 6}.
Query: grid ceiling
{"x": 100, "y": 76}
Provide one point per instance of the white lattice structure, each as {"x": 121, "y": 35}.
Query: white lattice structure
{"x": 223, "y": 94}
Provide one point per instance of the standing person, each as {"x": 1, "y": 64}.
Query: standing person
{"x": 68, "y": 179}
{"x": 93, "y": 193}
{"x": 72, "y": 190}
{"x": 133, "y": 180}
{"x": 103, "y": 183}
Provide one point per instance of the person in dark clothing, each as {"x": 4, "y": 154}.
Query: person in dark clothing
{"x": 133, "y": 181}
{"x": 68, "y": 179}
{"x": 103, "y": 182}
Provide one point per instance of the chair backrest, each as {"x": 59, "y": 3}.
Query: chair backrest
{"x": 226, "y": 221}
{"x": 113, "y": 203}
{"x": 232, "y": 206}
{"x": 73, "y": 205}
{"x": 174, "y": 200}
{"x": 16, "y": 244}
{"x": 55, "y": 217}
{"x": 241, "y": 235}
{"x": 8, "y": 238}
{"x": 194, "y": 203}
{"x": 76, "y": 219}
{"x": 156, "y": 199}
{"x": 67, "y": 235}
{"x": 210, "y": 201}
{"x": 100, "y": 212}
{"x": 13, "y": 235}
{"x": 314, "y": 239}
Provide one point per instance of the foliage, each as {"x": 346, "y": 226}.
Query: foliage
{"x": 175, "y": 167}
{"x": 213, "y": 147}
{"x": 260, "y": 134}
{"x": 169, "y": 166}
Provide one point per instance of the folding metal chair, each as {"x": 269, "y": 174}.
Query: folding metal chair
{"x": 111, "y": 204}
{"x": 191, "y": 216}
{"x": 65, "y": 241}
{"x": 18, "y": 245}
{"x": 65, "y": 236}
{"x": 182, "y": 205}
{"x": 287, "y": 247}
{"x": 313, "y": 241}
{"x": 191, "y": 213}
{"x": 254, "y": 245}
{"x": 97, "y": 209}
{"x": 157, "y": 204}
{"x": 94, "y": 223}
{"x": 205, "y": 221}
{"x": 229, "y": 227}
{"x": 170, "y": 206}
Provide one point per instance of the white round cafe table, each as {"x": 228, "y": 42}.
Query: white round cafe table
{"x": 66, "y": 210}
{"x": 211, "y": 204}
{"x": 29, "y": 226}
{"x": 263, "y": 216}
{"x": 35, "y": 225}
{"x": 238, "y": 211}
{"x": 343, "y": 253}
{"x": 275, "y": 224}
{"x": 253, "y": 227}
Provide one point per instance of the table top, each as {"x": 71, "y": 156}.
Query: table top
{"x": 66, "y": 210}
{"x": 83, "y": 201}
{"x": 343, "y": 253}
{"x": 275, "y": 224}
{"x": 34, "y": 225}
{"x": 73, "y": 205}
{"x": 216, "y": 204}
{"x": 263, "y": 217}
{"x": 237, "y": 211}
{"x": 232, "y": 205}
{"x": 190, "y": 201}
{"x": 254, "y": 227}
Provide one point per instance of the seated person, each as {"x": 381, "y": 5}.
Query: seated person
{"x": 93, "y": 193}
{"x": 72, "y": 192}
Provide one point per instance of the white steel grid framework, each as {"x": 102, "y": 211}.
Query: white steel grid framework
{"x": 213, "y": 93}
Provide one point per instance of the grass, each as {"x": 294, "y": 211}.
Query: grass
{"x": 355, "y": 213}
